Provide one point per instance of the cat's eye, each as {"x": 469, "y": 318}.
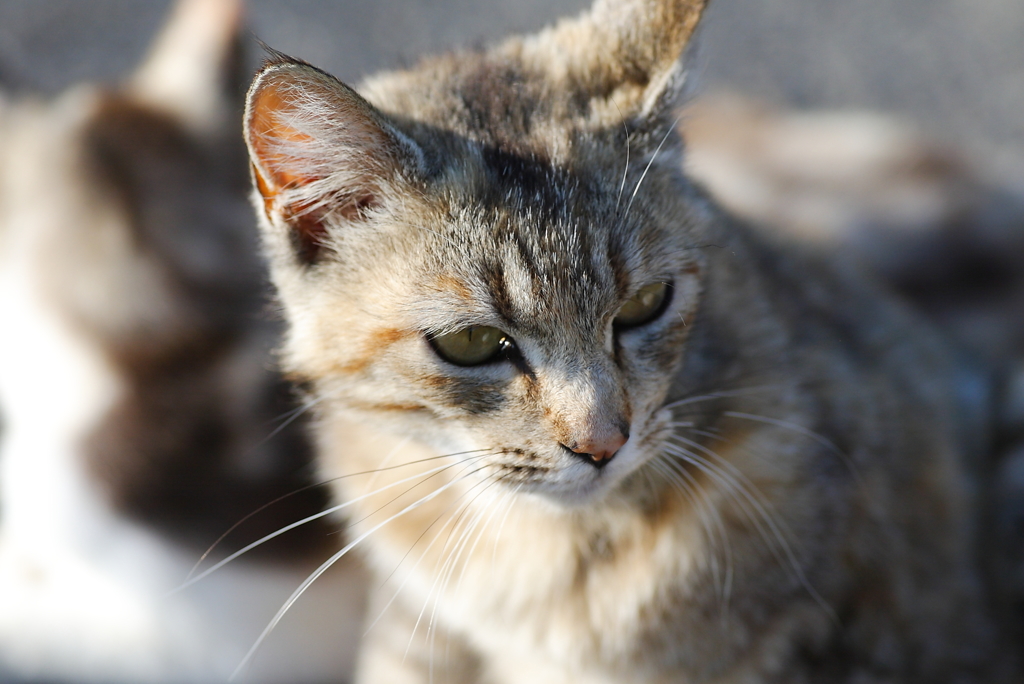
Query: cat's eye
{"x": 472, "y": 346}
{"x": 643, "y": 307}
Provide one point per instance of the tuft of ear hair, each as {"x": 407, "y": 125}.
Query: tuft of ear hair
{"x": 322, "y": 155}
{"x": 320, "y": 152}
{"x": 189, "y": 69}
{"x": 629, "y": 52}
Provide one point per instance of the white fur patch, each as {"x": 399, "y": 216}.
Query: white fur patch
{"x": 83, "y": 591}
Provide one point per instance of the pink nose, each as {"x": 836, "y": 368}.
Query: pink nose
{"x": 599, "y": 449}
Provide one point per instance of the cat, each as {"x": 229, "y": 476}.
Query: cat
{"x": 136, "y": 388}
{"x": 592, "y": 428}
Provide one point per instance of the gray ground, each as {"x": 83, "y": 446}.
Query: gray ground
{"x": 955, "y": 65}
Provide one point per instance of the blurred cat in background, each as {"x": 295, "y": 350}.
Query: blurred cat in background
{"x": 141, "y": 417}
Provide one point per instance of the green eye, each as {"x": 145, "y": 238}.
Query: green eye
{"x": 472, "y": 346}
{"x": 644, "y": 306}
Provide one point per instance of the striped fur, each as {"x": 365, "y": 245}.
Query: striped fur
{"x": 791, "y": 503}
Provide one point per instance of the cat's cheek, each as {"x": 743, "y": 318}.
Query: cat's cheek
{"x": 652, "y": 359}
{"x": 575, "y": 486}
{"x": 448, "y": 442}
{"x": 651, "y": 355}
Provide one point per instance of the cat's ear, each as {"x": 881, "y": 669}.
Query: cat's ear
{"x": 320, "y": 153}
{"x": 193, "y": 67}
{"x": 626, "y": 53}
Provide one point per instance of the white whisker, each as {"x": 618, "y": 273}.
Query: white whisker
{"x": 625, "y": 169}
{"x": 325, "y": 566}
{"x": 384, "y": 462}
{"x": 290, "y": 417}
{"x": 504, "y": 518}
{"x": 449, "y": 565}
{"x": 751, "y": 494}
{"x": 724, "y": 394}
{"x": 440, "y": 572}
{"x": 810, "y": 434}
{"x": 651, "y": 163}
{"x": 304, "y": 521}
{"x": 688, "y": 486}
{"x": 455, "y": 504}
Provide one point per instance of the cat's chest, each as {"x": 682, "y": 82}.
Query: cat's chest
{"x": 516, "y": 576}
{"x": 586, "y": 593}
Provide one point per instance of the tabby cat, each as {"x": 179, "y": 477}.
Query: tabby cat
{"x": 592, "y": 429}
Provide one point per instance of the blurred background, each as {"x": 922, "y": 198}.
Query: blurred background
{"x": 955, "y": 66}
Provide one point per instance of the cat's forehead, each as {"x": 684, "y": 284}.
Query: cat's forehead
{"x": 539, "y": 246}
{"x": 497, "y": 102}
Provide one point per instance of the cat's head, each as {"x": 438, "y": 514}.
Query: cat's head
{"x": 135, "y": 194}
{"x": 495, "y": 250}
{"x": 131, "y": 276}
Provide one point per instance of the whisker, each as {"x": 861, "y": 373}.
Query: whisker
{"x": 504, "y": 518}
{"x": 473, "y": 524}
{"x": 417, "y": 541}
{"x": 448, "y": 567}
{"x": 724, "y": 394}
{"x": 654, "y": 156}
{"x": 415, "y": 565}
{"x": 316, "y": 516}
{"x": 740, "y": 484}
{"x": 289, "y": 417}
{"x": 625, "y": 170}
{"x": 421, "y": 482}
{"x": 325, "y": 566}
{"x": 689, "y": 488}
{"x": 423, "y": 555}
{"x": 732, "y": 486}
{"x": 710, "y": 434}
{"x": 495, "y": 508}
{"x": 733, "y": 479}
{"x": 294, "y": 413}
{"x": 810, "y": 434}
{"x": 391, "y": 454}
{"x": 421, "y": 535}
{"x": 231, "y": 529}
{"x": 426, "y": 602}
{"x": 455, "y": 504}
{"x": 461, "y": 513}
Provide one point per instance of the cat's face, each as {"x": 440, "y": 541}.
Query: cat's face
{"x": 515, "y": 294}
{"x": 531, "y": 327}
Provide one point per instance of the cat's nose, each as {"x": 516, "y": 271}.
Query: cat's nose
{"x": 599, "y": 449}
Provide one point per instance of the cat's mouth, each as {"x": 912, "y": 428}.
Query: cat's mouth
{"x": 567, "y": 481}
{"x": 520, "y": 467}
{"x": 520, "y": 474}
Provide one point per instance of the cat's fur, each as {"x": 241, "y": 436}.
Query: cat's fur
{"x": 938, "y": 221}
{"x": 136, "y": 389}
{"x": 793, "y": 502}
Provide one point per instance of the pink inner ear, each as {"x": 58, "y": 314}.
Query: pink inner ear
{"x": 275, "y": 171}
{"x": 308, "y": 229}
{"x": 268, "y": 135}
{"x": 318, "y": 149}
